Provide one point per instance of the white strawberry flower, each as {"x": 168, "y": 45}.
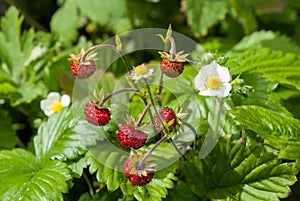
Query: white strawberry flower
{"x": 141, "y": 71}
{"x": 213, "y": 80}
{"x": 54, "y": 103}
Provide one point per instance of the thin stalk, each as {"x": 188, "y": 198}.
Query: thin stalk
{"x": 141, "y": 117}
{"x": 219, "y": 102}
{"x": 141, "y": 163}
{"x": 176, "y": 148}
{"x": 106, "y": 46}
{"x": 152, "y": 102}
{"x": 91, "y": 190}
{"x": 115, "y": 93}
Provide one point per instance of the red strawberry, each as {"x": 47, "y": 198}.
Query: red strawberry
{"x": 96, "y": 115}
{"x": 130, "y": 137}
{"x": 171, "y": 68}
{"x": 138, "y": 175}
{"x": 84, "y": 70}
{"x": 172, "y": 65}
{"x": 166, "y": 114}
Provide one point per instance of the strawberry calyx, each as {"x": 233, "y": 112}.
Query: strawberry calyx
{"x": 178, "y": 57}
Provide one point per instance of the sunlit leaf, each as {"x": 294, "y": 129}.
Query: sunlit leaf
{"x": 238, "y": 172}
{"x": 24, "y": 178}
{"x": 65, "y": 136}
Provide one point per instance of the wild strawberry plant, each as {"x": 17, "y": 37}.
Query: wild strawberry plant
{"x": 188, "y": 125}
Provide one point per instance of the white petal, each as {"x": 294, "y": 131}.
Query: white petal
{"x": 208, "y": 71}
{"x": 199, "y": 82}
{"x": 45, "y": 104}
{"x": 65, "y": 100}
{"x": 53, "y": 97}
{"x": 226, "y": 88}
{"x": 223, "y": 74}
{"x": 48, "y": 112}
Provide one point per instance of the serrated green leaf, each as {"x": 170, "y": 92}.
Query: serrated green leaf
{"x": 24, "y": 178}
{"x": 279, "y": 131}
{"x": 267, "y": 123}
{"x": 275, "y": 65}
{"x": 202, "y": 15}
{"x": 15, "y": 49}
{"x": 261, "y": 93}
{"x": 65, "y": 20}
{"x": 155, "y": 190}
{"x": 266, "y": 39}
{"x": 236, "y": 172}
{"x": 65, "y": 136}
{"x": 107, "y": 160}
{"x": 27, "y": 93}
{"x": 181, "y": 192}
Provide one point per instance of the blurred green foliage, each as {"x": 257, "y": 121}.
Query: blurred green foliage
{"x": 259, "y": 42}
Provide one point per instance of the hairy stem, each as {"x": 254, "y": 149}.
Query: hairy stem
{"x": 141, "y": 117}
{"x": 142, "y": 162}
{"x": 115, "y": 93}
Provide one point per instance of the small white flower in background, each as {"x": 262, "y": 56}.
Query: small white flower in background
{"x": 141, "y": 71}
{"x": 54, "y": 103}
{"x": 213, "y": 80}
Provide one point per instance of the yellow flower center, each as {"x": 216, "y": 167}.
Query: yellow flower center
{"x": 57, "y": 106}
{"x": 214, "y": 83}
{"x": 141, "y": 70}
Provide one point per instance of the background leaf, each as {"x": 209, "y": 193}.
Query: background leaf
{"x": 202, "y": 15}
{"x": 22, "y": 177}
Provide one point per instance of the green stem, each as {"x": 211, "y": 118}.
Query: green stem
{"x": 91, "y": 190}
{"x": 115, "y": 93}
{"x": 152, "y": 102}
{"x": 218, "y": 111}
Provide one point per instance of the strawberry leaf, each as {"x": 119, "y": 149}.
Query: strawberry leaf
{"x": 155, "y": 190}
{"x": 275, "y": 65}
{"x": 23, "y": 177}
{"x": 107, "y": 162}
{"x": 15, "y": 49}
{"x": 65, "y": 136}
{"x": 203, "y": 15}
{"x": 279, "y": 131}
{"x": 238, "y": 172}
{"x": 65, "y": 20}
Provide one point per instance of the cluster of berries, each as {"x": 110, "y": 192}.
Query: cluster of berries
{"x": 137, "y": 168}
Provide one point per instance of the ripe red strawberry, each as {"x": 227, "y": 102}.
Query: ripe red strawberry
{"x": 172, "y": 65}
{"x": 171, "y": 68}
{"x": 130, "y": 137}
{"x": 96, "y": 115}
{"x": 138, "y": 175}
{"x": 166, "y": 114}
{"x": 82, "y": 66}
{"x": 82, "y": 71}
